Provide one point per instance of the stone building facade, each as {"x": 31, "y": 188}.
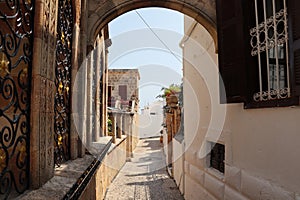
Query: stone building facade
{"x": 123, "y": 85}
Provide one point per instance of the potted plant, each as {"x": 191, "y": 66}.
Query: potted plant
{"x": 109, "y": 127}
{"x": 170, "y": 94}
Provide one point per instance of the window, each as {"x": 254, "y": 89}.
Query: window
{"x": 269, "y": 43}
{"x": 123, "y": 92}
{"x": 259, "y": 52}
{"x": 217, "y": 157}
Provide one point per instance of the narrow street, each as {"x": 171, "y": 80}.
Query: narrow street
{"x": 144, "y": 176}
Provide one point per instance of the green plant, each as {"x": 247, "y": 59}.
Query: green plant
{"x": 109, "y": 125}
{"x": 173, "y": 89}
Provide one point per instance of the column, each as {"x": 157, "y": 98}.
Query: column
{"x": 89, "y": 100}
{"x": 97, "y": 89}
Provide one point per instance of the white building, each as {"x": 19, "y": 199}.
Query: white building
{"x": 151, "y": 119}
{"x": 257, "y": 152}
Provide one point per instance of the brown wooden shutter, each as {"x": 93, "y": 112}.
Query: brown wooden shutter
{"x": 123, "y": 92}
{"x": 231, "y": 46}
{"x": 294, "y": 42}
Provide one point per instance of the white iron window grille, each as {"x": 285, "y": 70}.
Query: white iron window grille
{"x": 269, "y": 42}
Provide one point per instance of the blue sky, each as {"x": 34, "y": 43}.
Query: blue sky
{"x": 157, "y": 55}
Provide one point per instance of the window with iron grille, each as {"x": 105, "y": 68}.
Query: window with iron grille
{"x": 259, "y": 52}
{"x": 269, "y": 43}
{"x": 217, "y": 157}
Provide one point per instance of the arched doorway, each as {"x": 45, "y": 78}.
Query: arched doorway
{"x": 99, "y": 17}
{"x": 98, "y": 14}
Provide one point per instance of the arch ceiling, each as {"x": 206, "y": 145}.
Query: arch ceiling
{"x": 101, "y": 12}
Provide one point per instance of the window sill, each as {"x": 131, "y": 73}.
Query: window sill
{"x": 294, "y": 101}
{"x": 215, "y": 173}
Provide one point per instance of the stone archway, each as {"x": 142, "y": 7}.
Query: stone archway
{"x": 101, "y": 12}
{"x": 96, "y": 14}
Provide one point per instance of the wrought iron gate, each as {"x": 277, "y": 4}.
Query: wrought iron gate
{"x": 63, "y": 81}
{"x": 16, "y": 38}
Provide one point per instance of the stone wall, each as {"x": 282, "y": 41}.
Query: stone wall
{"x": 71, "y": 172}
{"x": 128, "y": 77}
{"x": 42, "y": 93}
{"x": 43, "y": 88}
{"x": 178, "y": 162}
{"x": 106, "y": 172}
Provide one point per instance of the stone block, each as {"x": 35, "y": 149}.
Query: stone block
{"x": 186, "y": 10}
{"x": 214, "y": 186}
{"x": 34, "y": 170}
{"x": 233, "y": 177}
{"x": 50, "y": 95}
{"x": 36, "y": 62}
{"x": 35, "y": 131}
{"x": 202, "y": 162}
{"x": 197, "y": 174}
{"x": 52, "y": 63}
{"x": 50, "y": 160}
{"x": 49, "y": 129}
{"x": 231, "y": 194}
{"x": 42, "y": 93}
{"x": 256, "y": 188}
{"x": 43, "y": 123}
{"x": 35, "y": 93}
{"x": 209, "y": 197}
{"x": 194, "y": 191}
{"x": 44, "y": 57}
{"x": 48, "y": 171}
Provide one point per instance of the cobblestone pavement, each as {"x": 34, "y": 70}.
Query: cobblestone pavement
{"x": 144, "y": 176}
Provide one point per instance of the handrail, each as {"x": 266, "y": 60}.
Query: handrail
{"x": 83, "y": 180}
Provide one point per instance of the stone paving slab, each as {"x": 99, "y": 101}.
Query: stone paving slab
{"x": 144, "y": 176}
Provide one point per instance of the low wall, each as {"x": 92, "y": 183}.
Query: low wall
{"x": 178, "y": 162}
{"x": 167, "y": 148}
{"x": 107, "y": 171}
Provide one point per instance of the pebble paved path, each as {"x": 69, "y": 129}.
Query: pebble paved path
{"x": 144, "y": 176}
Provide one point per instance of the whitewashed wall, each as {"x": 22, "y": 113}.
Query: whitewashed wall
{"x": 261, "y": 145}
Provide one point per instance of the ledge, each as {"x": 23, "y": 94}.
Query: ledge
{"x": 64, "y": 178}
{"x": 118, "y": 142}
{"x": 70, "y": 178}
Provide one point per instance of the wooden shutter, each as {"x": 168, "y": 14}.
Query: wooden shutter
{"x": 109, "y": 97}
{"x": 294, "y": 42}
{"x": 123, "y": 92}
{"x": 231, "y": 46}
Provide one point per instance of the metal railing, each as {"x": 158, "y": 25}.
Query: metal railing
{"x": 269, "y": 41}
{"x": 82, "y": 182}
{"x": 16, "y": 46}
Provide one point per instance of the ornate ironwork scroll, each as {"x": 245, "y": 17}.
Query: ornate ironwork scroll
{"x": 16, "y": 22}
{"x": 63, "y": 81}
